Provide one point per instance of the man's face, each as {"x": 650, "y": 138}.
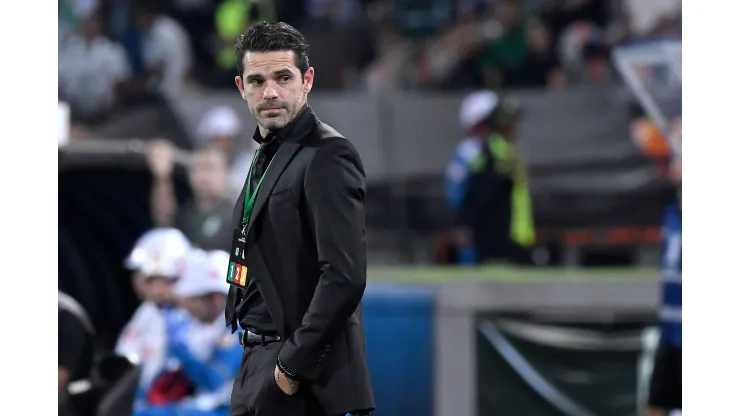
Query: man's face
{"x": 208, "y": 174}
{"x": 273, "y": 87}
{"x": 205, "y": 308}
{"x": 198, "y": 307}
{"x": 160, "y": 290}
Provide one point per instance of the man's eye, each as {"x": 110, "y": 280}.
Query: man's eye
{"x": 256, "y": 82}
{"x": 284, "y": 78}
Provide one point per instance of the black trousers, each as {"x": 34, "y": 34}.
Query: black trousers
{"x": 255, "y": 392}
{"x": 665, "y": 383}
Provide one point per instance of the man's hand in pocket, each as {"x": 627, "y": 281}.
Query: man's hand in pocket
{"x": 288, "y": 386}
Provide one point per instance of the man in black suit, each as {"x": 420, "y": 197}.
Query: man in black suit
{"x": 297, "y": 267}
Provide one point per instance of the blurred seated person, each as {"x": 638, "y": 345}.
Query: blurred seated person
{"x": 541, "y": 66}
{"x": 205, "y": 220}
{"x": 76, "y": 348}
{"x": 155, "y": 261}
{"x": 166, "y": 54}
{"x": 486, "y": 184}
{"x": 221, "y": 128}
{"x": 203, "y": 356}
{"x": 91, "y": 69}
{"x": 523, "y": 55}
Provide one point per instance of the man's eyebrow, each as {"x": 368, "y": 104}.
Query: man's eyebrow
{"x": 283, "y": 71}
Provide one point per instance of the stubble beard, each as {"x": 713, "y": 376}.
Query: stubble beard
{"x": 272, "y": 124}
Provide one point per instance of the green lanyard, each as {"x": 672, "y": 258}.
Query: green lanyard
{"x": 251, "y": 195}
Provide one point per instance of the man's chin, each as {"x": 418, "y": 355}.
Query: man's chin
{"x": 273, "y": 124}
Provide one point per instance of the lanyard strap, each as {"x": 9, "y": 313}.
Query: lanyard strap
{"x": 251, "y": 195}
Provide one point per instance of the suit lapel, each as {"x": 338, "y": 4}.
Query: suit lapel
{"x": 238, "y": 213}
{"x": 280, "y": 161}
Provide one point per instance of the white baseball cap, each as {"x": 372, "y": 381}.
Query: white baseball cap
{"x": 220, "y": 121}
{"x": 158, "y": 252}
{"x": 203, "y": 272}
{"x": 476, "y": 107}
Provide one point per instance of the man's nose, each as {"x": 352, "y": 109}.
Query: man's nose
{"x": 270, "y": 92}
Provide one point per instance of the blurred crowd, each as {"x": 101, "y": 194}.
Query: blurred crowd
{"x": 180, "y": 356}
{"x": 118, "y": 53}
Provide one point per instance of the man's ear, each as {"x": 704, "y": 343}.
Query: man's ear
{"x": 240, "y": 85}
{"x": 308, "y": 80}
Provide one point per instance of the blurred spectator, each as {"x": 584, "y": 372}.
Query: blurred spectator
{"x": 449, "y": 59}
{"x": 165, "y": 49}
{"x": 559, "y": 15}
{"x": 205, "y": 219}
{"x": 202, "y": 353}
{"x": 523, "y": 48}
{"x": 76, "y": 342}
{"x": 222, "y": 129}
{"x": 541, "y": 66}
{"x": 578, "y": 33}
{"x": 91, "y": 68}
{"x": 654, "y": 18}
{"x": 393, "y": 64}
{"x": 486, "y": 184}
{"x": 584, "y": 50}
{"x": 156, "y": 258}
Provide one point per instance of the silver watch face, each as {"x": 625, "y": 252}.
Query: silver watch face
{"x": 652, "y": 72}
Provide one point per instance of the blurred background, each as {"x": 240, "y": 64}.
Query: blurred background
{"x": 518, "y": 277}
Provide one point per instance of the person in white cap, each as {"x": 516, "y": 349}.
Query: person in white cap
{"x": 221, "y": 128}
{"x": 150, "y": 242}
{"x": 154, "y": 262}
{"x": 203, "y": 357}
{"x": 485, "y": 183}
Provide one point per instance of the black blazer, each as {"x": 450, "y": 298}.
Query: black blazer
{"x": 306, "y": 251}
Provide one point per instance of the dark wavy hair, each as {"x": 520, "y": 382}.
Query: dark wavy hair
{"x": 272, "y": 37}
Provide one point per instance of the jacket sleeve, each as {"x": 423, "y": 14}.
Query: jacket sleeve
{"x": 335, "y": 192}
